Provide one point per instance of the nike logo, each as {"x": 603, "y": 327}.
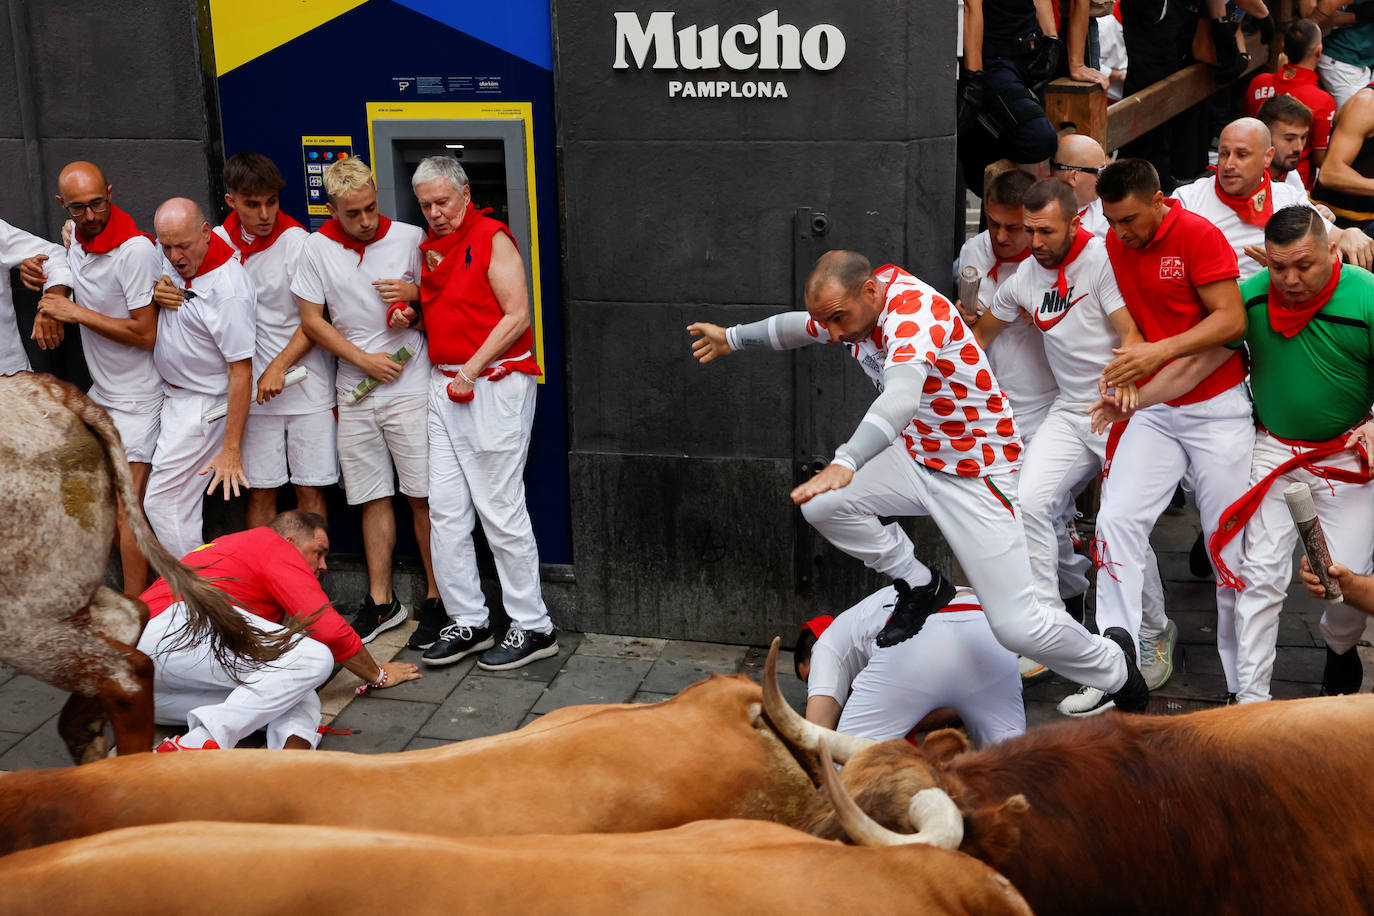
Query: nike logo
{"x": 1045, "y": 324}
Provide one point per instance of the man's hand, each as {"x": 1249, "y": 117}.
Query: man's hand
{"x": 712, "y": 342}
{"x": 1257, "y": 253}
{"x": 970, "y": 316}
{"x": 68, "y": 232}
{"x": 833, "y": 477}
{"x": 1345, "y": 580}
{"x": 398, "y": 672}
{"x": 59, "y": 308}
{"x": 381, "y": 367}
{"x": 403, "y": 318}
{"x": 396, "y": 291}
{"x": 167, "y": 294}
{"x": 270, "y": 383}
{"x": 1085, "y": 74}
{"x": 1133, "y": 362}
{"x": 228, "y": 467}
{"x": 1105, "y": 412}
{"x": 1362, "y": 441}
{"x": 459, "y": 389}
{"x": 31, "y": 272}
{"x": 47, "y": 331}
{"x": 1356, "y": 248}
{"x": 1325, "y": 211}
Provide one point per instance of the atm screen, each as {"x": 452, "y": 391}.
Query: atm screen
{"x": 483, "y": 159}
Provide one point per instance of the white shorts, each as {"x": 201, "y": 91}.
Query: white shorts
{"x": 306, "y": 443}
{"x": 138, "y": 430}
{"x": 1341, "y": 79}
{"x": 377, "y": 435}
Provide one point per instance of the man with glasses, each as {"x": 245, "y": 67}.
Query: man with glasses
{"x": 1076, "y": 163}
{"x": 114, "y": 267}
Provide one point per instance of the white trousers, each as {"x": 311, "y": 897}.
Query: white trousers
{"x": 1346, "y": 511}
{"x": 1341, "y": 79}
{"x": 954, "y": 661}
{"x": 1065, "y": 454}
{"x": 979, "y": 520}
{"x": 1213, "y": 439}
{"x": 174, "y": 502}
{"x": 191, "y": 686}
{"x": 477, "y": 453}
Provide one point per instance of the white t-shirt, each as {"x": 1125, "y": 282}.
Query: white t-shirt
{"x": 272, "y": 271}
{"x": 1078, "y": 334}
{"x": 334, "y": 276}
{"x": 1111, "y": 41}
{"x": 1018, "y": 353}
{"x": 114, "y": 284}
{"x": 17, "y": 245}
{"x": 215, "y": 327}
{"x": 1294, "y": 181}
{"x": 846, "y": 646}
{"x": 1201, "y": 197}
{"x": 1093, "y": 219}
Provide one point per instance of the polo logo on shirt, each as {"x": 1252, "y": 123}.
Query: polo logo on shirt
{"x": 1171, "y": 269}
{"x": 467, "y": 258}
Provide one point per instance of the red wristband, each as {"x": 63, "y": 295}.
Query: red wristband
{"x": 396, "y": 307}
{"x": 457, "y": 398}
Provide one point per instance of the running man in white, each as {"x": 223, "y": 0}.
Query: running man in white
{"x": 1070, "y": 293}
{"x": 939, "y": 440}
{"x": 359, "y": 264}
{"x": 113, "y": 268}
{"x": 204, "y": 354}
{"x": 290, "y": 433}
{"x": 855, "y": 687}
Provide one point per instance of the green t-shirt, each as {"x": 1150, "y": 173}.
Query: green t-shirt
{"x": 1318, "y": 383}
{"x": 1352, "y": 44}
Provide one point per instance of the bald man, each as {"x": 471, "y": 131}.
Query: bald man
{"x": 114, "y": 267}
{"x": 1077, "y": 162}
{"x": 205, "y": 339}
{"x": 1240, "y": 198}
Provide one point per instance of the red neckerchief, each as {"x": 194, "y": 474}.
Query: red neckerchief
{"x": 818, "y": 625}
{"x": 249, "y": 245}
{"x": 1080, "y": 241}
{"x": 334, "y": 230}
{"x": 1289, "y": 318}
{"x": 1014, "y": 259}
{"x": 435, "y": 250}
{"x": 117, "y": 231}
{"x": 220, "y": 253}
{"x": 1255, "y": 208}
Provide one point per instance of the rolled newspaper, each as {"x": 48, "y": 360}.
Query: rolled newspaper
{"x": 970, "y": 280}
{"x": 1304, "y": 512}
{"x": 294, "y": 376}
{"x": 369, "y": 384}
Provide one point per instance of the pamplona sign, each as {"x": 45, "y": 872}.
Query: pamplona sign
{"x": 767, "y": 46}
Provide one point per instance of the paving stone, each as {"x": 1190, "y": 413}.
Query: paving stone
{"x": 683, "y": 663}
{"x": 434, "y": 684}
{"x": 604, "y": 646}
{"x": 379, "y": 726}
{"x": 26, "y": 703}
{"x": 793, "y": 690}
{"x": 41, "y": 749}
{"x": 6, "y": 672}
{"x": 424, "y": 744}
{"x": 546, "y": 669}
{"x": 594, "y": 679}
{"x": 481, "y": 706}
{"x": 1294, "y": 690}
{"x": 643, "y": 697}
{"x": 10, "y": 739}
{"x": 1296, "y": 664}
{"x": 530, "y": 717}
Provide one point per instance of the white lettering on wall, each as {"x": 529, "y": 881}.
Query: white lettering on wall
{"x": 771, "y": 45}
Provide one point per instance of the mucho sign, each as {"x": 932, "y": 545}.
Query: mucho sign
{"x": 764, "y": 45}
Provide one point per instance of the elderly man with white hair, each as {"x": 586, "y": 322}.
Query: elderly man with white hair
{"x": 475, "y": 303}
{"x": 206, "y": 327}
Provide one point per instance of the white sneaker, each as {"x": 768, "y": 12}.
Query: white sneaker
{"x": 1157, "y": 656}
{"x": 1030, "y": 668}
{"x": 1088, "y": 701}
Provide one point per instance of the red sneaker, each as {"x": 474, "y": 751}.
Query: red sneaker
{"x": 169, "y": 745}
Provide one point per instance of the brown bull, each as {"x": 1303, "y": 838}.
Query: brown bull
{"x": 61, "y": 465}
{"x": 706, "y": 753}
{"x": 705, "y": 867}
{"x": 1245, "y": 809}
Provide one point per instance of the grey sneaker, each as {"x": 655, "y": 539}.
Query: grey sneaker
{"x": 1157, "y": 656}
{"x": 1088, "y": 701}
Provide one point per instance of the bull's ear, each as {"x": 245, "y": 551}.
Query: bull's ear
{"x": 993, "y": 834}
{"x": 941, "y": 746}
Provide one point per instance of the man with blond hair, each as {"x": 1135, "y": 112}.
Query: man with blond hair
{"x": 358, "y": 264}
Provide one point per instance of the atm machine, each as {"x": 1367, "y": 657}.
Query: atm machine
{"x": 395, "y": 81}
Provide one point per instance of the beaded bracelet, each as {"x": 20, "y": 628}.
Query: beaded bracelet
{"x": 379, "y": 683}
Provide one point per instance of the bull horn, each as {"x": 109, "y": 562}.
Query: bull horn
{"x": 933, "y": 815}
{"x": 806, "y": 735}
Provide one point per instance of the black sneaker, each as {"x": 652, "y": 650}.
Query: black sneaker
{"x": 455, "y": 642}
{"x": 914, "y": 605}
{"x": 433, "y": 618}
{"x": 1343, "y": 673}
{"x": 518, "y": 649}
{"x": 1199, "y": 560}
{"x": 373, "y": 618}
{"x": 1134, "y": 696}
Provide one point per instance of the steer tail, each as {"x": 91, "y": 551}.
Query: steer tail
{"x": 233, "y": 640}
